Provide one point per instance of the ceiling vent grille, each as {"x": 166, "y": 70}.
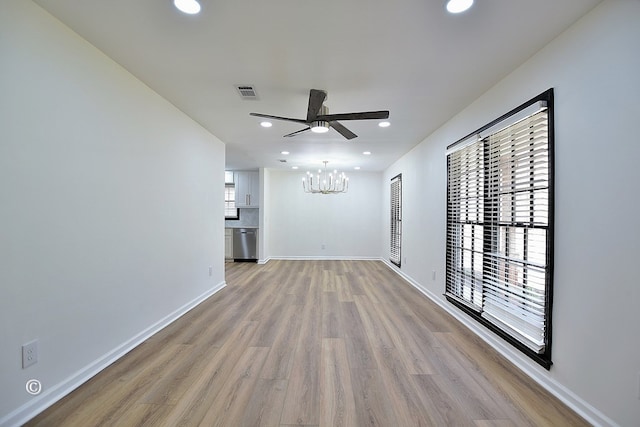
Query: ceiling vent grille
{"x": 247, "y": 92}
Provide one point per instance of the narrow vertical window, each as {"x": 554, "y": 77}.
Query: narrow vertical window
{"x": 230, "y": 210}
{"x": 499, "y": 226}
{"x": 396, "y": 220}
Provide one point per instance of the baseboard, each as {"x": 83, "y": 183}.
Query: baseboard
{"x": 322, "y": 258}
{"x": 566, "y": 396}
{"x": 35, "y": 406}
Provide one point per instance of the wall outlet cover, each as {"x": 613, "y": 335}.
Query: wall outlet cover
{"x": 29, "y": 354}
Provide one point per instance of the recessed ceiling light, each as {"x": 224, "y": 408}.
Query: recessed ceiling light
{"x": 190, "y": 7}
{"x": 294, "y": 167}
{"x": 284, "y": 152}
{"x": 357, "y": 168}
{"x": 266, "y": 124}
{"x": 366, "y": 153}
{"x": 457, "y": 6}
{"x": 384, "y": 124}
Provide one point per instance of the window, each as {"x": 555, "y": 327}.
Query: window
{"x": 499, "y": 226}
{"x": 230, "y": 210}
{"x": 396, "y": 219}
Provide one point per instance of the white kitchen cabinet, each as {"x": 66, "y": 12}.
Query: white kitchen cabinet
{"x": 228, "y": 243}
{"x": 247, "y": 185}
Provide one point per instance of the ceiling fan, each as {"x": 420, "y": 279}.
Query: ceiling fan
{"x": 319, "y": 120}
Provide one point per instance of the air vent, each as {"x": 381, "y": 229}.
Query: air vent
{"x": 247, "y": 92}
{"x": 282, "y": 160}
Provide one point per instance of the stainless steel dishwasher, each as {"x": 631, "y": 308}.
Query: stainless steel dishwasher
{"x": 244, "y": 244}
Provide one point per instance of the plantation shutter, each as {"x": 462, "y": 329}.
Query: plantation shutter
{"x": 498, "y": 236}
{"x": 396, "y": 220}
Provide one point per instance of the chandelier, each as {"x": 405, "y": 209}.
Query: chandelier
{"x": 325, "y": 183}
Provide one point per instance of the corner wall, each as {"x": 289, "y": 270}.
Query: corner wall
{"x": 111, "y": 209}
{"x": 593, "y": 68}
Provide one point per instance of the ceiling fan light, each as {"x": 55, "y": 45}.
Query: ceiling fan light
{"x": 319, "y": 126}
{"x": 266, "y": 124}
{"x": 458, "y": 6}
{"x": 190, "y": 7}
{"x": 384, "y": 124}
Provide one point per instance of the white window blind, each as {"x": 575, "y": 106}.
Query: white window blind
{"x": 230, "y": 210}
{"x": 498, "y": 237}
{"x": 396, "y": 220}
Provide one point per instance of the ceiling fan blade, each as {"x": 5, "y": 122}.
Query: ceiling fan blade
{"x": 316, "y": 98}
{"x": 366, "y": 115}
{"x": 288, "y": 119}
{"x": 343, "y": 130}
{"x": 296, "y": 132}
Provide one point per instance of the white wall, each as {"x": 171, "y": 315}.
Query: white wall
{"x": 265, "y": 206}
{"x": 593, "y": 68}
{"x": 111, "y": 206}
{"x": 299, "y": 224}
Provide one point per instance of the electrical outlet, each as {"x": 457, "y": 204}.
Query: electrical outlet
{"x": 210, "y": 270}
{"x": 433, "y": 275}
{"x": 638, "y": 385}
{"x": 322, "y": 246}
{"x": 29, "y": 354}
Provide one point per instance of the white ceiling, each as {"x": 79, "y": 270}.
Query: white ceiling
{"x": 407, "y": 56}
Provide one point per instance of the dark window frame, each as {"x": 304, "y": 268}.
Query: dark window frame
{"x": 543, "y": 358}
{"x": 395, "y": 235}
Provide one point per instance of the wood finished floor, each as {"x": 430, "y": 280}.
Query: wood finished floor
{"x": 315, "y": 343}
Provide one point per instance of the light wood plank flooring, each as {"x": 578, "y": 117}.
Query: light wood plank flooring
{"x": 315, "y": 343}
